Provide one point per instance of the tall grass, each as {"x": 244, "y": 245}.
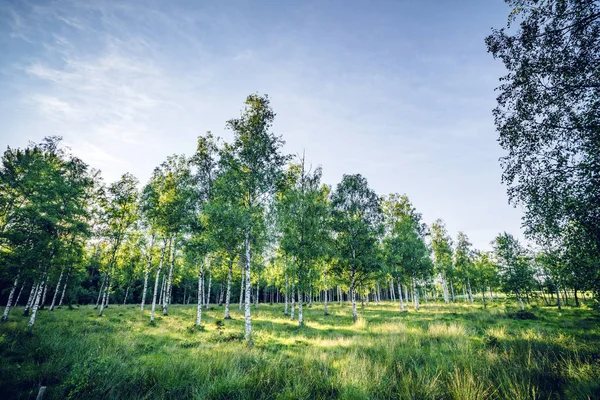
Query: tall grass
{"x": 441, "y": 352}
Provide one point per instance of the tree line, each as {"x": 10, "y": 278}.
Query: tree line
{"x": 242, "y": 221}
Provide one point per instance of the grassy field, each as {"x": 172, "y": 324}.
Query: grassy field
{"x": 440, "y": 352}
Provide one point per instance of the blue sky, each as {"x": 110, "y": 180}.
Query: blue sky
{"x": 399, "y": 91}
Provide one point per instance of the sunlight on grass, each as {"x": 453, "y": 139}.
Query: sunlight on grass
{"x": 442, "y": 351}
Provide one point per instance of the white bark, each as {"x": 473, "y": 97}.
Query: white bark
{"x": 353, "y": 294}
{"x": 126, "y": 294}
{"x": 207, "y": 302}
{"x": 10, "y": 298}
{"x": 248, "y": 319}
{"x": 199, "y": 308}
{"x": 415, "y": 293}
{"x": 162, "y": 255}
{"x": 520, "y": 301}
{"x": 147, "y": 272}
{"x": 36, "y": 301}
{"x": 300, "y": 316}
{"x": 101, "y": 290}
{"x": 62, "y": 296}
{"x": 400, "y": 295}
{"x": 256, "y": 299}
{"x": 30, "y": 298}
{"x": 19, "y": 295}
{"x": 287, "y": 287}
{"x": 43, "y": 301}
{"x": 228, "y": 295}
{"x": 293, "y": 302}
{"x": 242, "y": 293}
{"x": 325, "y": 284}
{"x": 56, "y": 291}
{"x": 166, "y": 296}
{"x": 445, "y": 288}
{"x": 104, "y": 302}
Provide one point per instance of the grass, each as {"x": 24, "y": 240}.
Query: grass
{"x": 440, "y": 352}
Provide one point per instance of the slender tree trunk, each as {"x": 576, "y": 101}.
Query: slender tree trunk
{"x": 221, "y": 293}
{"x": 287, "y": 286}
{"x": 392, "y": 294}
{"x": 30, "y": 299}
{"x": 162, "y": 256}
{"x": 104, "y": 301}
{"x": 167, "y": 297}
{"x": 242, "y": 292}
{"x": 36, "y": 301}
{"x": 162, "y": 291}
{"x": 228, "y": 296}
{"x": 300, "y": 315}
{"x": 445, "y": 288}
{"x": 325, "y": 294}
{"x": 126, "y": 294}
{"x": 293, "y": 305}
{"x": 257, "y": 290}
{"x": 415, "y": 293}
{"x": 43, "y": 301}
{"x": 10, "y": 298}
{"x": 248, "y": 319}
{"x": 56, "y": 291}
{"x": 576, "y": 298}
{"x": 208, "y": 291}
{"x": 62, "y": 296}
{"x": 200, "y": 295}
{"x": 353, "y": 294}
{"x": 101, "y": 290}
{"x": 400, "y": 296}
{"x": 147, "y": 272}
{"x": 452, "y": 291}
{"x": 469, "y": 289}
{"x": 520, "y": 300}
{"x": 558, "y": 296}
{"x": 19, "y": 295}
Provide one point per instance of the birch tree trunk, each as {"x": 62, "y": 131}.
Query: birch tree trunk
{"x": 287, "y": 286}
{"x": 293, "y": 305}
{"x": 19, "y": 295}
{"x": 62, "y": 296}
{"x": 520, "y": 301}
{"x": 36, "y": 301}
{"x": 300, "y": 316}
{"x": 104, "y": 301}
{"x": 147, "y": 272}
{"x": 199, "y": 308}
{"x": 400, "y": 295}
{"x": 56, "y": 291}
{"x": 469, "y": 289}
{"x": 452, "y": 291}
{"x": 257, "y": 290}
{"x": 325, "y": 297}
{"x": 30, "y": 299}
{"x": 353, "y": 294}
{"x": 228, "y": 295}
{"x": 126, "y": 294}
{"x": 166, "y": 296}
{"x": 242, "y": 293}
{"x": 248, "y": 319}
{"x": 558, "y": 296}
{"x": 101, "y": 290}
{"x": 10, "y": 298}
{"x": 207, "y": 302}
{"x": 445, "y": 289}
{"x": 162, "y": 255}
{"x": 415, "y": 293}
{"x": 43, "y": 301}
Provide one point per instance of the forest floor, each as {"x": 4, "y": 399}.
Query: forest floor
{"x": 455, "y": 351}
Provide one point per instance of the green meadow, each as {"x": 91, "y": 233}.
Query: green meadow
{"x": 455, "y": 351}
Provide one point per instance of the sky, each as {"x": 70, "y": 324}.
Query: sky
{"x": 400, "y": 91}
